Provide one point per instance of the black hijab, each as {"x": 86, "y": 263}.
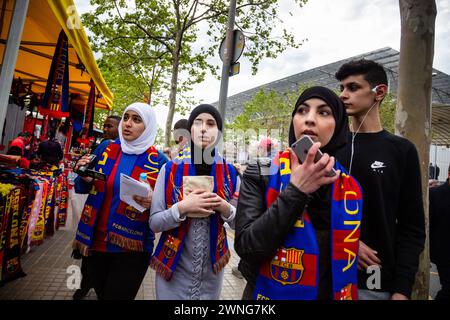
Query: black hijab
{"x": 202, "y": 165}
{"x": 320, "y": 203}
{"x": 341, "y": 131}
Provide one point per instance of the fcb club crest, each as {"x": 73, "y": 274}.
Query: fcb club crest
{"x": 346, "y": 293}
{"x": 287, "y": 267}
{"x": 171, "y": 246}
{"x": 87, "y": 214}
{"x": 131, "y": 213}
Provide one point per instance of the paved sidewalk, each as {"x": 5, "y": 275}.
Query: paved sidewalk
{"x": 46, "y": 269}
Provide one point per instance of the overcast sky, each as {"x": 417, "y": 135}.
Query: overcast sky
{"x": 335, "y": 30}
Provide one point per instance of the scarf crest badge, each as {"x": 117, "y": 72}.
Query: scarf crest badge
{"x": 292, "y": 273}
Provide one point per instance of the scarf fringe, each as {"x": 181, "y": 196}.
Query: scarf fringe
{"x": 160, "y": 268}
{"x": 222, "y": 262}
{"x": 126, "y": 243}
{"x": 84, "y": 249}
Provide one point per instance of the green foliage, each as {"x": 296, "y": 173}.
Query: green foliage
{"x": 159, "y": 141}
{"x": 150, "y": 47}
{"x": 267, "y": 111}
{"x": 387, "y": 113}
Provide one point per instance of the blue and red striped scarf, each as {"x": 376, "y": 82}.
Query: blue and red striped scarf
{"x": 293, "y": 272}
{"x": 56, "y": 97}
{"x": 171, "y": 243}
{"x": 127, "y": 228}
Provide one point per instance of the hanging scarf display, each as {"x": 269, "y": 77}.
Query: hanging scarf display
{"x": 127, "y": 228}
{"x": 11, "y": 268}
{"x": 23, "y": 204}
{"x": 35, "y": 212}
{"x": 171, "y": 243}
{"x": 5, "y": 208}
{"x": 293, "y": 272}
{"x": 88, "y": 126}
{"x": 63, "y": 197}
{"x": 24, "y": 224}
{"x": 49, "y": 215}
{"x": 37, "y": 237}
{"x": 56, "y": 98}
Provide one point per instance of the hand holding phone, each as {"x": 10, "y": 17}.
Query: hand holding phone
{"x": 82, "y": 169}
{"x": 309, "y": 176}
{"x": 301, "y": 148}
{"x": 87, "y": 171}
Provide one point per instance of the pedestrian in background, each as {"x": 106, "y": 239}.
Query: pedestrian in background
{"x": 440, "y": 235}
{"x": 181, "y": 136}
{"x": 110, "y": 134}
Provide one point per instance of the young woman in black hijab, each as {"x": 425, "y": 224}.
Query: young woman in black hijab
{"x": 193, "y": 248}
{"x": 297, "y": 228}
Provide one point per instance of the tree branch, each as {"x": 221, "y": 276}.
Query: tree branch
{"x": 158, "y": 39}
{"x": 192, "y": 9}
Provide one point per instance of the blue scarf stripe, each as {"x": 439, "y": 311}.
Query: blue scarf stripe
{"x": 307, "y": 232}
{"x": 278, "y": 290}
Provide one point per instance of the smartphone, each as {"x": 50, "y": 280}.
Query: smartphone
{"x": 301, "y": 148}
{"x": 86, "y": 171}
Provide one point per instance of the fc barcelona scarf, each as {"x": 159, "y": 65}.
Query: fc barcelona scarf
{"x": 127, "y": 228}
{"x": 171, "y": 243}
{"x": 37, "y": 237}
{"x": 88, "y": 126}
{"x": 56, "y": 98}
{"x": 50, "y": 209}
{"x": 293, "y": 272}
{"x": 12, "y": 268}
{"x": 35, "y": 213}
{"x": 62, "y": 208}
{"x": 30, "y": 199}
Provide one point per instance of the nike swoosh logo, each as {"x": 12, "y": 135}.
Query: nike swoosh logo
{"x": 377, "y": 166}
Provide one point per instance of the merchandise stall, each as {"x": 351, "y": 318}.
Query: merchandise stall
{"x": 55, "y": 89}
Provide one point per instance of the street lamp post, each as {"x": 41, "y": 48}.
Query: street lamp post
{"x": 228, "y": 52}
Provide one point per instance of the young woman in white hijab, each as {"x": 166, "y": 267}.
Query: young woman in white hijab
{"x": 114, "y": 236}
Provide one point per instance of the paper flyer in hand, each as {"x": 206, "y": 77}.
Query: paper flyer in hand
{"x": 130, "y": 187}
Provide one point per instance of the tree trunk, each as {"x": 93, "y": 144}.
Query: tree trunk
{"x": 413, "y": 116}
{"x": 173, "y": 87}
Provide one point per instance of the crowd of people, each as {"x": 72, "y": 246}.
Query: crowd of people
{"x": 311, "y": 230}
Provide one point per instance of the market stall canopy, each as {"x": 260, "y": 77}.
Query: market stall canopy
{"x": 45, "y": 19}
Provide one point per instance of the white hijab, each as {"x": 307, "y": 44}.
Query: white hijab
{"x": 147, "y": 138}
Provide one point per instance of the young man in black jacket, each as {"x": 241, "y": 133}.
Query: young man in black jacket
{"x": 387, "y": 167}
{"x": 439, "y": 235}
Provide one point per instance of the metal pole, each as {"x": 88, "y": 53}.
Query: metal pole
{"x": 227, "y": 60}
{"x": 435, "y": 163}
{"x": 10, "y": 57}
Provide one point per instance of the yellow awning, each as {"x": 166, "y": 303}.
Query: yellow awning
{"x": 45, "y": 18}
